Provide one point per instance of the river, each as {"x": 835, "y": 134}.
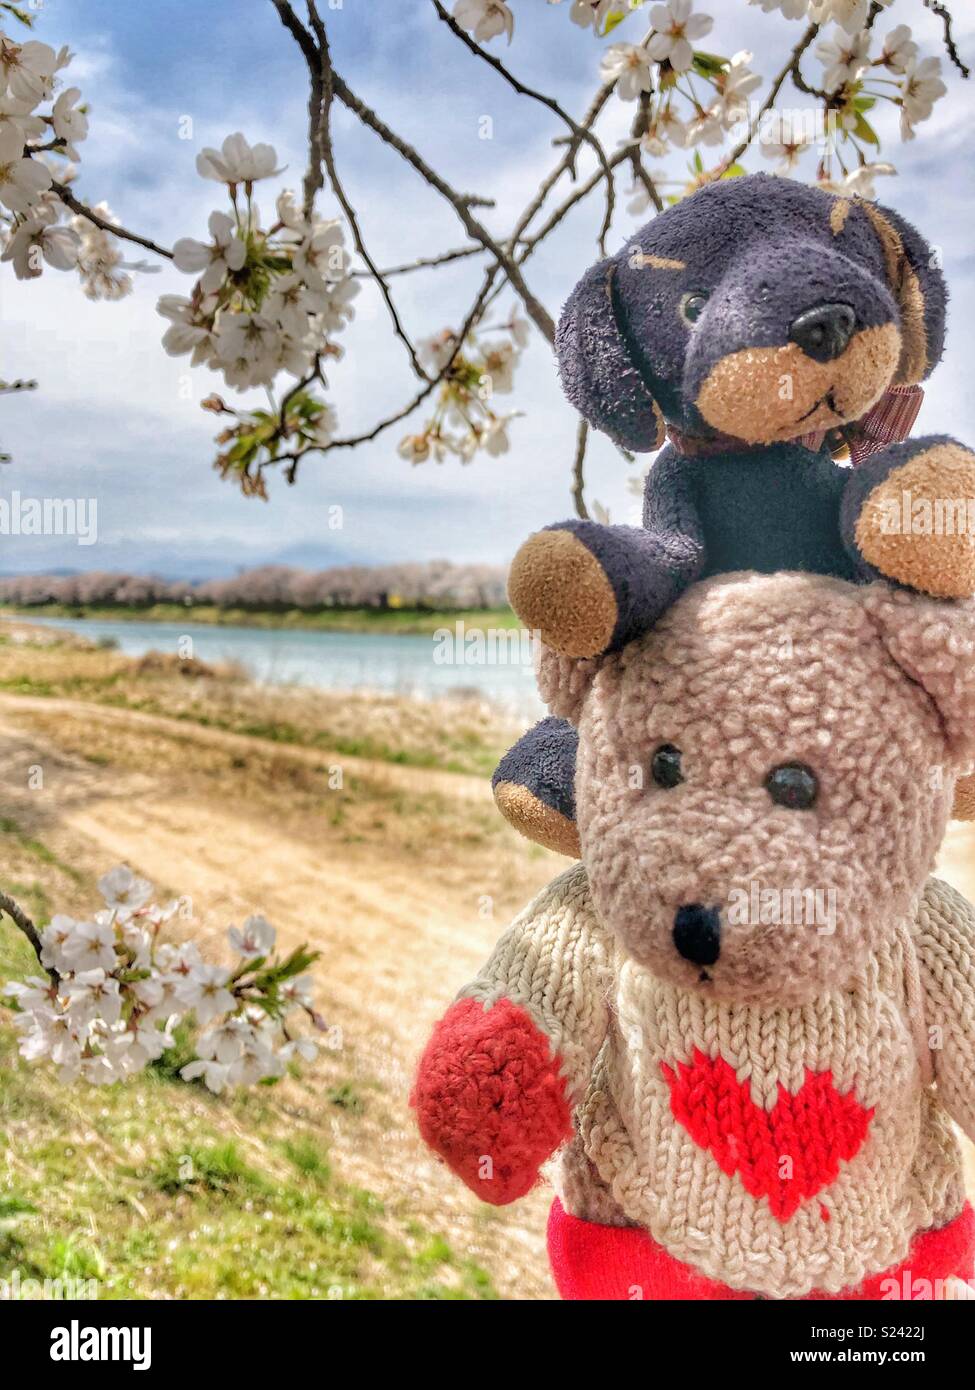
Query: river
{"x": 402, "y": 664}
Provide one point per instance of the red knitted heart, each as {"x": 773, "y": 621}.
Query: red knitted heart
{"x": 815, "y": 1129}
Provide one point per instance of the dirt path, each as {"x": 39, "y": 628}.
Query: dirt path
{"x": 401, "y": 926}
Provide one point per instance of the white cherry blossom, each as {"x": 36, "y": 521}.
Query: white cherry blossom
{"x": 226, "y": 253}
{"x": 255, "y": 938}
{"x": 238, "y": 162}
{"x": 100, "y": 260}
{"x": 22, "y": 181}
{"x": 213, "y": 1074}
{"x": 676, "y": 27}
{"x": 921, "y": 88}
{"x": 792, "y": 9}
{"x": 860, "y": 181}
{"x": 205, "y": 992}
{"x": 124, "y": 891}
{"x": 19, "y": 113}
{"x": 850, "y": 15}
{"x": 91, "y": 946}
{"x": 69, "y": 123}
{"x": 628, "y": 65}
{"x": 92, "y": 994}
{"x": 844, "y": 57}
{"x": 899, "y": 49}
{"x": 591, "y": 14}
{"x": 26, "y": 69}
{"x": 485, "y": 19}
{"x": 40, "y": 237}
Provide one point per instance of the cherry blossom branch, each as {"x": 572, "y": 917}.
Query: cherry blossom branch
{"x": 351, "y": 441}
{"x": 70, "y": 201}
{"x": 944, "y": 14}
{"x": 580, "y": 132}
{"x": 791, "y": 66}
{"x": 21, "y": 920}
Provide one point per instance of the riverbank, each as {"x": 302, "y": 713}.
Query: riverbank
{"x": 407, "y": 621}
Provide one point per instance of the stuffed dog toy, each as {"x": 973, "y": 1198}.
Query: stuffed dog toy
{"x": 747, "y": 1018}
{"x": 756, "y": 325}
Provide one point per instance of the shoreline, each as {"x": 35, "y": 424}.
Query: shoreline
{"x": 382, "y": 621}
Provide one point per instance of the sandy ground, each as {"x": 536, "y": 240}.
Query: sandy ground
{"x": 242, "y": 825}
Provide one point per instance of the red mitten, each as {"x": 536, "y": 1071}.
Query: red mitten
{"x": 490, "y": 1098}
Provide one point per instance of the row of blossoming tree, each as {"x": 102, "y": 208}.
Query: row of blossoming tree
{"x": 270, "y": 295}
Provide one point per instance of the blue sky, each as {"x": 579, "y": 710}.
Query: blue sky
{"x": 115, "y": 419}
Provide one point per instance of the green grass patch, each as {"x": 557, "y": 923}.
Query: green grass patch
{"x": 406, "y": 621}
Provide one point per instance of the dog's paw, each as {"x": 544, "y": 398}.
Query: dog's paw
{"x": 559, "y": 589}
{"x": 917, "y": 526}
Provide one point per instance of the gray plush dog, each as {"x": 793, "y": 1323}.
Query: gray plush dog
{"x": 759, "y": 326}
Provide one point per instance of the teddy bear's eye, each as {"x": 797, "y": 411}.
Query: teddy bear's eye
{"x": 665, "y": 766}
{"x": 793, "y": 785}
{"x": 692, "y": 306}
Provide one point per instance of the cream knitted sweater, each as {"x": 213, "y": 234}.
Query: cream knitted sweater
{"x": 777, "y": 1150}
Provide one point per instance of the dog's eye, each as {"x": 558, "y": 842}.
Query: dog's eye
{"x": 793, "y": 785}
{"x": 692, "y": 306}
{"x": 665, "y": 766}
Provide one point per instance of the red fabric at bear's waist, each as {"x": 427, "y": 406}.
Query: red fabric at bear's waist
{"x": 596, "y": 1262}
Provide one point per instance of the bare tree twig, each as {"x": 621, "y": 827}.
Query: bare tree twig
{"x": 944, "y": 14}
{"x": 580, "y": 192}
{"x": 424, "y": 262}
{"x": 641, "y": 122}
{"x": 566, "y": 164}
{"x": 461, "y": 203}
{"x": 462, "y": 206}
{"x": 578, "y": 479}
{"x": 580, "y": 132}
{"x": 318, "y": 106}
{"x": 70, "y": 201}
{"x": 322, "y": 145}
{"x": 20, "y": 919}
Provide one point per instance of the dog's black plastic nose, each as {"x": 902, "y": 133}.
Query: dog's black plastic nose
{"x": 697, "y": 933}
{"x": 824, "y": 332}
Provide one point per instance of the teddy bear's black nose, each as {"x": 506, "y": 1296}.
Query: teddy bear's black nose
{"x": 824, "y": 332}
{"x": 697, "y": 933}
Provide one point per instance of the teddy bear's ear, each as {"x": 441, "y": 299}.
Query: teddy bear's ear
{"x": 933, "y": 642}
{"x": 598, "y": 374}
{"x": 916, "y": 280}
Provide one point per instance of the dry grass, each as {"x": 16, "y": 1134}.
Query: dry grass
{"x": 462, "y": 734}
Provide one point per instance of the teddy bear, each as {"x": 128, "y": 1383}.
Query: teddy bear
{"x": 755, "y": 326}
{"x": 745, "y": 1021}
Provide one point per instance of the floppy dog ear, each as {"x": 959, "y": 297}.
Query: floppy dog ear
{"x": 598, "y": 374}
{"x": 933, "y": 642}
{"x": 916, "y": 280}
